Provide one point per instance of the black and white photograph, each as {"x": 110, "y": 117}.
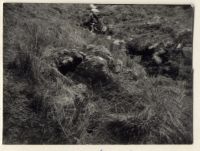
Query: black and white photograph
{"x": 97, "y": 74}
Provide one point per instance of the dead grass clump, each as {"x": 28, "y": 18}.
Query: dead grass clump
{"x": 47, "y": 105}
{"x": 157, "y": 115}
{"x": 28, "y": 66}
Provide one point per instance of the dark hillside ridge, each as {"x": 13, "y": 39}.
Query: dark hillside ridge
{"x": 97, "y": 74}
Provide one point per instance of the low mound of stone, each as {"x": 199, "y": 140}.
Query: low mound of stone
{"x": 94, "y": 68}
{"x": 161, "y": 58}
{"x": 94, "y": 63}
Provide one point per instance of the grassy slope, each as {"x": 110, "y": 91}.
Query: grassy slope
{"x": 38, "y": 100}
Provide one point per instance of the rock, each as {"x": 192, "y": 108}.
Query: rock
{"x": 95, "y": 65}
{"x": 94, "y": 68}
{"x": 118, "y": 66}
{"x": 157, "y": 59}
{"x": 100, "y": 51}
{"x": 103, "y": 52}
{"x": 104, "y": 29}
{"x": 157, "y": 56}
{"x": 118, "y": 42}
{"x": 67, "y": 60}
{"x": 179, "y": 46}
{"x": 63, "y": 59}
{"x": 72, "y": 53}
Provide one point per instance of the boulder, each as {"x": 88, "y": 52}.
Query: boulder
{"x": 100, "y": 51}
{"x": 94, "y": 68}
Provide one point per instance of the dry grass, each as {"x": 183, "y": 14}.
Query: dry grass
{"x": 40, "y": 104}
{"x": 40, "y": 85}
{"x": 156, "y": 116}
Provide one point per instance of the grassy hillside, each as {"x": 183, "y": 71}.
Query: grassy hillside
{"x": 105, "y": 95}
